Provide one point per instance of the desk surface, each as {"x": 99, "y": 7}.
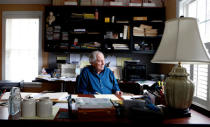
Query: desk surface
{"x": 196, "y": 118}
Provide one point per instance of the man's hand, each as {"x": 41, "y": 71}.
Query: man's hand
{"x": 119, "y": 92}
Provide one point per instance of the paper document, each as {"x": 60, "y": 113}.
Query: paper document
{"x": 57, "y": 95}
{"x": 107, "y": 96}
{"x": 62, "y": 105}
{"x": 112, "y": 60}
{"x": 84, "y": 61}
{"x": 131, "y": 97}
{"x": 75, "y": 58}
{"x": 74, "y": 96}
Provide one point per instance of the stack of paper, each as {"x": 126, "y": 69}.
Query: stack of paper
{"x": 54, "y": 96}
{"x": 120, "y": 46}
{"x": 107, "y": 96}
{"x": 93, "y": 103}
{"x": 144, "y": 30}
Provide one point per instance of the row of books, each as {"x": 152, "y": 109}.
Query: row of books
{"x": 146, "y": 3}
{"x": 83, "y": 16}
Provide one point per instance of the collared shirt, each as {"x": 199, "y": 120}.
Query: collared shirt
{"x": 90, "y": 82}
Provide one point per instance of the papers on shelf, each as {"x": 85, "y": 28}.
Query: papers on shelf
{"x": 75, "y": 58}
{"x": 107, "y": 96}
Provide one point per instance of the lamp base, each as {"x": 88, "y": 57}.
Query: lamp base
{"x": 176, "y": 113}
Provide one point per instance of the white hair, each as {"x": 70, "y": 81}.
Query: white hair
{"x": 93, "y": 55}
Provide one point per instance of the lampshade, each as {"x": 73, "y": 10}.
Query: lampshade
{"x": 181, "y": 42}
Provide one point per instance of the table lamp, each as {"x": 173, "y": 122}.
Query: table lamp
{"x": 181, "y": 43}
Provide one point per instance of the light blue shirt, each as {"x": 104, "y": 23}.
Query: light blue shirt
{"x": 89, "y": 82}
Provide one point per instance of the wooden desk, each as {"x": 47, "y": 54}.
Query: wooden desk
{"x": 66, "y": 85}
{"x": 196, "y": 119}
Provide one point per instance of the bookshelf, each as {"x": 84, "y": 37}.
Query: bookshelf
{"x": 105, "y": 28}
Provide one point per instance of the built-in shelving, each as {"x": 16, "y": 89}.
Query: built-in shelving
{"x": 87, "y": 28}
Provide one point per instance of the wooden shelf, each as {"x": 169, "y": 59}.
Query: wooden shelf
{"x": 95, "y": 30}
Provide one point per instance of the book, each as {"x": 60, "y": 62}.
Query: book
{"x": 135, "y": 4}
{"x": 125, "y": 32}
{"x": 116, "y": 3}
{"x": 144, "y": 18}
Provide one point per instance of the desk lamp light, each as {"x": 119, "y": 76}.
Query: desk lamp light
{"x": 181, "y": 43}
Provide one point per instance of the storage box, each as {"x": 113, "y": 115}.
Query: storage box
{"x": 58, "y": 2}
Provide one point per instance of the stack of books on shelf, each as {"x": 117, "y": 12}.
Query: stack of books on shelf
{"x": 153, "y": 3}
{"x": 140, "y": 18}
{"x": 70, "y": 2}
{"x": 91, "y": 45}
{"x": 89, "y": 16}
{"x": 64, "y": 45}
{"x": 65, "y": 36}
{"x": 120, "y": 46}
{"x": 85, "y": 2}
{"x": 86, "y": 16}
{"x": 97, "y": 2}
{"x": 136, "y": 3}
{"x": 144, "y": 30}
{"x": 119, "y": 3}
{"x": 76, "y": 16}
{"x": 79, "y": 31}
{"x": 56, "y": 32}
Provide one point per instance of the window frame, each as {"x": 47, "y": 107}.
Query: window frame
{"x": 19, "y": 15}
{"x": 183, "y": 10}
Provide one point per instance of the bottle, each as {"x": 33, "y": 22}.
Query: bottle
{"x": 14, "y": 103}
{"x": 96, "y": 14}
{"x": 113, "y": 19}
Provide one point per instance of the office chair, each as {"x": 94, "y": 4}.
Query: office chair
{"x": 77, "y": 83}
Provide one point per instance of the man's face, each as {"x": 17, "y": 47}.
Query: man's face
{"x": 99, "y": 64}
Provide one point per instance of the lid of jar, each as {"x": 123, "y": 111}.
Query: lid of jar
{"x": 28, "y": 99}
{"x": 44, "y": 98}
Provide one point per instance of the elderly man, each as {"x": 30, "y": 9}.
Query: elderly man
{"x": 97, "y": 79}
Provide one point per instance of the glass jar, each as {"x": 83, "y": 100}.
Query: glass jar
{"x": 14, "y": 102}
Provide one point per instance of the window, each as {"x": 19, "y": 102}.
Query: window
{"x": 199, "y": 74}
{"x": 21, "y": 45}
